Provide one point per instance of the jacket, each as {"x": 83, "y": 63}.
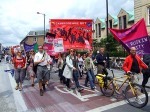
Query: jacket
{"x": 68, "y": 70}
{"x": 89, "y": 63}
{"x": 128, "y": 63}
{"x": 100, "y": 58}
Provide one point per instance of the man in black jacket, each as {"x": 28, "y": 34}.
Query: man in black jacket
{"x": 101, "y": 61}
{"x": 146, "y": 73}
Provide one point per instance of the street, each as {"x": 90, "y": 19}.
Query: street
{"x": 57, "y": 98}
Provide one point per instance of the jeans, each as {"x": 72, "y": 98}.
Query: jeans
{"x": 146, "y": 75}
{"x": 75, "y": 77}
{"x": 62, "y": 78}
{"x": 91, "y": 78}
{"x": 68, "y": 83}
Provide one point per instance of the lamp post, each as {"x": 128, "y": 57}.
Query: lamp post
{"x": 44, "y": 22}
{"x": 107, "y": 24}
{"x": 107, "y": 44}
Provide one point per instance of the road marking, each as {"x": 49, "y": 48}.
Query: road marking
{"x": 60, "y": 90}
{"x": 19, "y": 102}
{"x": 78, "y": 94}
{"x": 113, "y": 105}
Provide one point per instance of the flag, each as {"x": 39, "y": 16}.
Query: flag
{"x": 135, "y": 36}
{"x": 35, "y": 47}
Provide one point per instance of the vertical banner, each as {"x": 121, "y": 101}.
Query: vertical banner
{"x": 135, "y": 36}
{"x": 58, "y": 45}
{"x": 74, "y": 32}
{"x": 48, "y": 45}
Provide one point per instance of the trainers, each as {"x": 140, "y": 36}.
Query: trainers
{"x": 17, "y": 87}
{"x": 20, "y": 88}
{"x": 69, "y": 89}
{"x": 80, "y": 89}
{"x": 93, "y": 88}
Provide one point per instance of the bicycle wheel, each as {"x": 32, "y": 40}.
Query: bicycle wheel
{"x": 108, "y": 88}
{"x": 138, "y": 98}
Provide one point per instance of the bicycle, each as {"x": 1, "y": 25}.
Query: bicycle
{"x": 134, "y": 93}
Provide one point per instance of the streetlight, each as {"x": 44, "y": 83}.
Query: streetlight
{"x": 107, "y": 24}
{"x": 44, "y": 22}
{"x": 107, "y": 44}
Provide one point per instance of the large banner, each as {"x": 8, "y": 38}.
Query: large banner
{"x": 135, "y": 36}
{"x": 76, "y": 33}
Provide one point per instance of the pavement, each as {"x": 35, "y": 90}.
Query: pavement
{"x": 57, "y": 98}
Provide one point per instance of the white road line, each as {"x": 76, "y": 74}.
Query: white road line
{"x": 113, "y": 105}
{"x": 19, "y": 102}
{"x": 60, "y": 90}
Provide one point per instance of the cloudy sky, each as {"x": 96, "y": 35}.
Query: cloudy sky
{"x": 18, "y": 17}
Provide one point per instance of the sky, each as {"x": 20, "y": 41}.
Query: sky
{"x": 19, "y": 17}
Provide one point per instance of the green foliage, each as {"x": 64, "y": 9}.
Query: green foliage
{"x": 113, "y": 47}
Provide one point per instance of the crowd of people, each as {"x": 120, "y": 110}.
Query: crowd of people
{"x": 72, "y": 67}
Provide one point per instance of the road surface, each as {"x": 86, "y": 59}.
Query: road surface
{"x": 57, "y": 98}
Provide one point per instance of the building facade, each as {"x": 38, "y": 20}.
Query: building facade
{"x": 142, "y": 10}
{"x": 123, "y": 20}
{"x": 33, "y": 37}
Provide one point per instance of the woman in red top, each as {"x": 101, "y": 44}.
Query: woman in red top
{"x": 20, "y": 66}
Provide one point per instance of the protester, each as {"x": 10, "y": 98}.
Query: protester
{"x": 80, "y": 65}
{"x": 101, "y": 61}
{"x": 49, "y": 67}
{"x": 30, "y": 71}
{"x": 40, "y": 60}
{"x": 146, "y": 73}
{"x": 60, "y": 64}
{"x": 68, "y": 70}
{"x": 89, "y": 66}
{"x": 20, "y": 66}
{"x": 133, "y": 63}
{"x": 76, "y": 72}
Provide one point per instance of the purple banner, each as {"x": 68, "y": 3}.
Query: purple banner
{"x": 28, "y": 47}
{"x": 142, "y": 45}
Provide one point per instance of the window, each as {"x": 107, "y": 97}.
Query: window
{"x": 35, "y": 39}
{"x": 99, "y": 29}
{"x": 148, "y": 15}
{"x": 96, "y": 29}
{"x": 110, "y": 23}
{"x": 120, "y": 23}
{"x": 124, "y": 22}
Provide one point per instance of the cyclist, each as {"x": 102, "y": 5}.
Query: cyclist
{"x": 133, "y": 63}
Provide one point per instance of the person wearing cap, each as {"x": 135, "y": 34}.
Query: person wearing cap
{"x": 41, "y": 61}
{"x": 20, "y": 66}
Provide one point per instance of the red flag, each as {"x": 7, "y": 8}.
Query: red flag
{"x": 135, "y": 36}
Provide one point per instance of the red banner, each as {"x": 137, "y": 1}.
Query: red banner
{"x": 135, "y": 36}
{"x": 76, "y": 33}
